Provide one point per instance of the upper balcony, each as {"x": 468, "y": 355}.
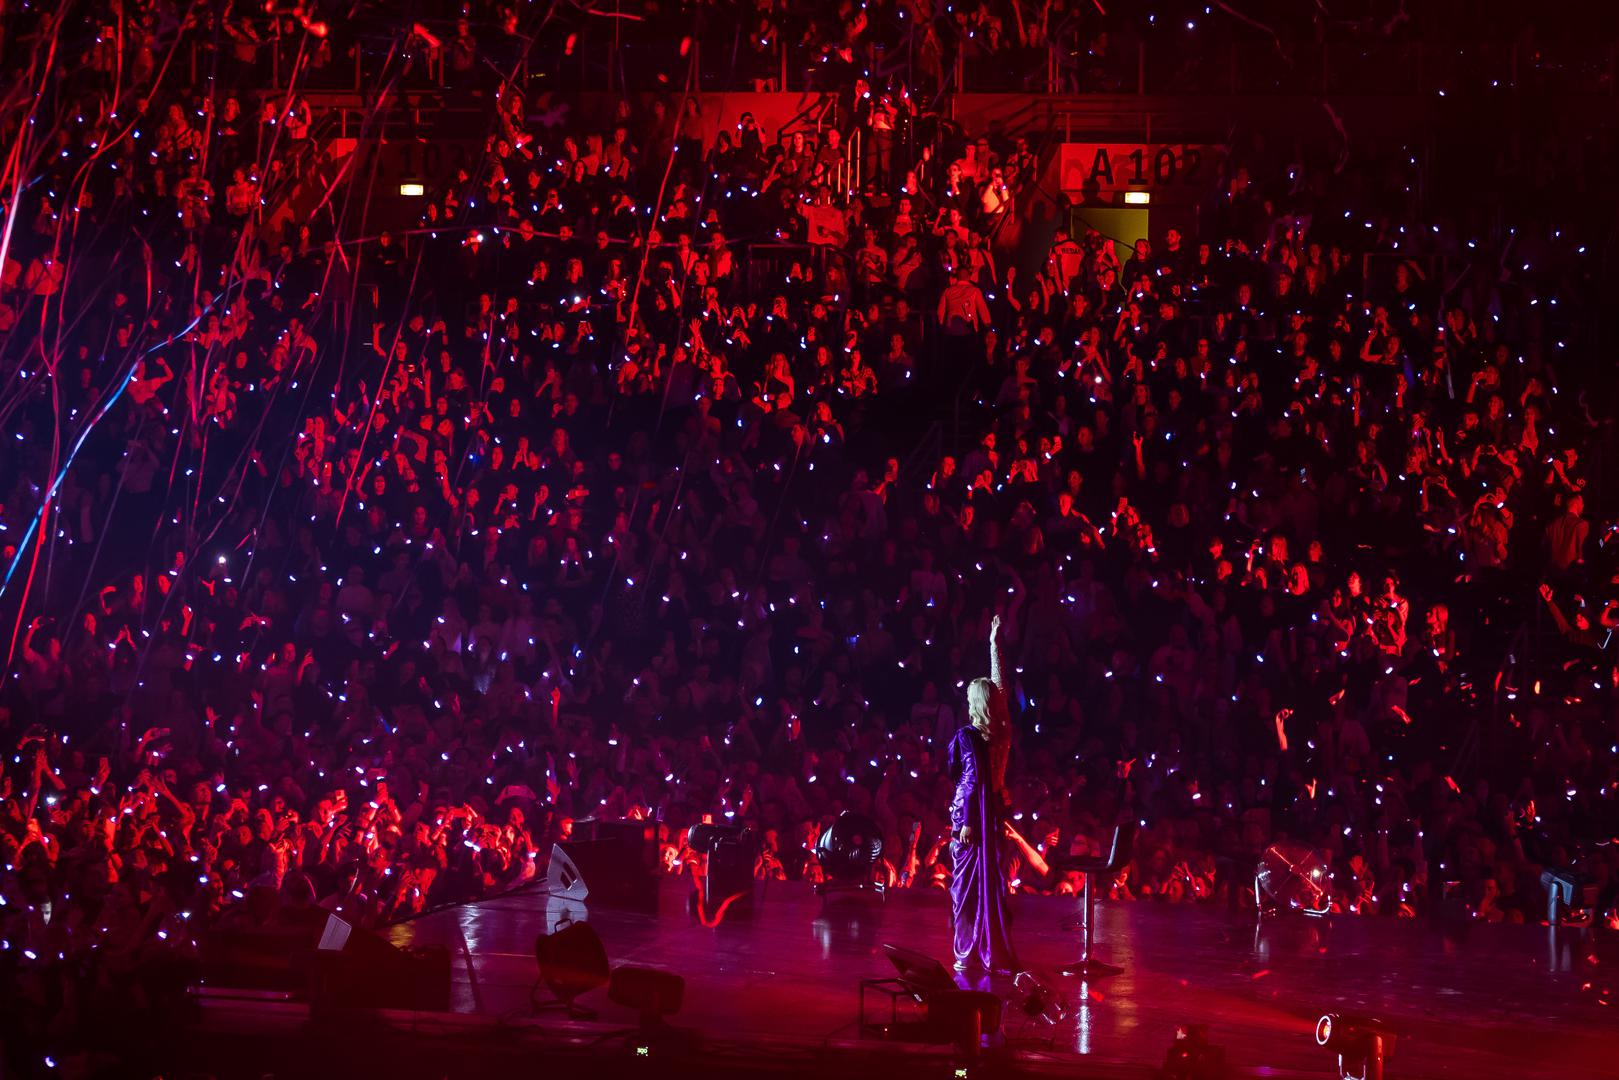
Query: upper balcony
{"x": 623, "y": 54}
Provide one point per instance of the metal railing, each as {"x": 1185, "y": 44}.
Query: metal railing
{"x": 1139, "y": 66}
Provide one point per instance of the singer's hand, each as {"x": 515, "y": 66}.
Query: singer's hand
{"x": 994, "y": 626}
{"x": 966, "y": 834}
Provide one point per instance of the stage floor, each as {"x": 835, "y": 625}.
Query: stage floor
{"x": 1476, "y": 1001}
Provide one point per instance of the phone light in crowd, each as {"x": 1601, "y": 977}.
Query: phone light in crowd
{"x": 1137, "y": 198}
{"x": 413, "y": 189}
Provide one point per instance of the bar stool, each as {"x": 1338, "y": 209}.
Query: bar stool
{"x": 1118, "y": 856}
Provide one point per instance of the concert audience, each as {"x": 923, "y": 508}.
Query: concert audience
{"x": 655, "y": 476}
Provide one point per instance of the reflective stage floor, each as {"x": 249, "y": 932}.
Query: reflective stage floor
{"x": 1474, "y": 1001}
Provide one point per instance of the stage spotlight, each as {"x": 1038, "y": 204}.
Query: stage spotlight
{"x": 1295, "y": 877}
{"x": 705, "y": 838}
{"x": 1137, "y": 198}
{"x": 1192, "y": 1057}
{"x": 1039, "y": 999}
{"x": 412, "y": 189}
{"x": 573, "y": 961}
{"x": 1361, "y": 1043}
{"x": 850, "y": 853}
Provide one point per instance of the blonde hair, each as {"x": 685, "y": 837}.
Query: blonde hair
{"x": 979, "y": 693}
{"x": 991, "y": 724}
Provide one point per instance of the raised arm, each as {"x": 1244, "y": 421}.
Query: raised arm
{"x": 997, "y": 662}
{"x": 1000, "y": 713}
{"x": 1030, "y": 853}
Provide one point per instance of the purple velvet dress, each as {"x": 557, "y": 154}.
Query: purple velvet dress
{"x": 978, "y": 902}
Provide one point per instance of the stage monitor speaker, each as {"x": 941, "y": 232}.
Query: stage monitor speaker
{"x": 355, "y": 969}
{"x": 638, "y": 833}
{"x": 315, "y": 955}
{"x": 606, "y": 872}
{"x": 922, "y": 975}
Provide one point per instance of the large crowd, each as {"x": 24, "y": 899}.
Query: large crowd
{"x": 354, "y": 569}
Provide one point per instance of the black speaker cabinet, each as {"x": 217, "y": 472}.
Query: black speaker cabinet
{"x": 608, "y": 872}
